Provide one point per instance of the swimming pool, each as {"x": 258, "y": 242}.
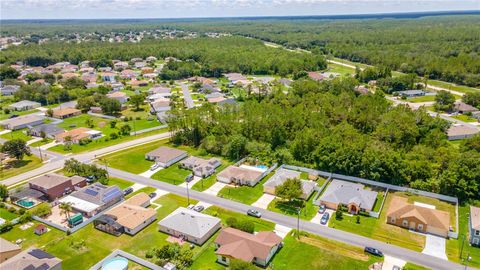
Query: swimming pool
{"x": 25, "y": 203}
{"x": 117, "y": 263}
{"x": 262, "y": 167}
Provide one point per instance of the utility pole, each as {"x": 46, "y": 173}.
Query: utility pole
{"x": 188, "y": 195}
{"x": 461, "y": 250}
{"x": 298, "y": 223}
{"x": 40, "y": 151}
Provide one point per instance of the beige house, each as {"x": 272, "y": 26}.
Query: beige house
{"x": 166, "y": 156}
{"x": 66, "y": 113}
{"x": 240, "y": 176}
{"x": 8, "y": 250}
{"x": 199, "y": 166}
{"x": 417, "y": 217}
{"x": 281, "y": 175}
{"x": 256, "y": 248}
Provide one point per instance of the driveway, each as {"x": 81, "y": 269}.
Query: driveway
{"x": 264, "y": 201}
{"x": 435, "y": 246}
{"x": 389, "y": 262}
{"x": 282, "y": 231}
{"x": 149, "y": 172}
{"x": 316, "y": 219}
{"x": 191, "y": 183}
{"x": 215, "y": 188}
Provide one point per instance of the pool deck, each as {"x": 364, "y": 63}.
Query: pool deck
{"x": 128, "y": 256}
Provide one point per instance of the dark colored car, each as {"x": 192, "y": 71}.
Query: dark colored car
{"x": 374, "y": 251}
{"x": 189, "y": 178}
{"x": 198, "y": 208}
{"x": 127, "y": 191}
{"x": 12, "y": 116}
{"x": 254, "y": 213}
{"x": 325, "y": 218}
{"x": 152, "y": 195}
{"x": 322, "y": 209}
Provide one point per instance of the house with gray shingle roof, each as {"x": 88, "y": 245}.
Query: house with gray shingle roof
{"x": 190, "y": 225}
{"x": 24, "y": 105}
{"x": 352, "y": 195}
{"x": 281, "y": 175}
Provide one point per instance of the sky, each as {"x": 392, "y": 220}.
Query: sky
{"x": 90, "y": 9}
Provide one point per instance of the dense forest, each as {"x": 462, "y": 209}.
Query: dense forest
{"x": 216, "y": 56}
{"x": 445, "y": 48}
{"x": 329, "y": 127}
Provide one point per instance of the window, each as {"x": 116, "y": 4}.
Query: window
{"x": 420, "y": 227}
{"x": 224, "y": 259}
{"x": 477, "y": 233}
{"x": 392, "y": 219}
{"x": 405, "y": 222}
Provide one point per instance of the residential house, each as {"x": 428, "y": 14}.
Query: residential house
{"x": 23, "y": 121}
{"x": 137, "y": 83}
{"x": 281, "y": 175}
{"x": 132, "y": 216}
{"x": 199, "y": 166}
{"x": 463, "y": 108}
{"x": 150, "y": 76}
{"x": 8, "y": 250}
{"x": 47, "y": 130}
{"x": 94, "y": 199}
{"x": 460, "y": 132}
{"x": 418, "y": 217}
{"x": 361, "y": 89}
{"x": 108, "y": 77}
{"x": 235, "y": 78}
{"x": 140, "y": 64}
{"x": 411, "y": 93}
{"x": 120, "y": 65}
{"x": 128, "y": 74}
{"x": 151, "y": 59}
{"x": 55, "y": 186}
{"x": 352, "y": 195}
{"x": 161, "y": 94}
{"x": 240, "y": 176}
{"x": 24, "y": 105}
{"x": 285, "y": 82}
{"x": 77, "y": 134}
{"x": 89, "y": 77}
{"x": 166, "y": 156}
{"x": 474, "y": 222}
{"x": 64, "y": 113}
{"x": 316, "y": 76}
{"x": 146, "y": 70}
{"x": 160, "y": 105}
{"x": 189, "y": 225}
{"x": 255, "y": 248}
{"x": 9, "y": 90}
{"x": 120, "y": 96}
{"x": 32, "y": 259}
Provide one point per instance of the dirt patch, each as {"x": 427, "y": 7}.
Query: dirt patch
{"x": 331, "y": 247}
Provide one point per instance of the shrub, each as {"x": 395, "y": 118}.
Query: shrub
{"x": 358, "y": 219}
{"x": 113, "y": 123}
{"x": 113, "y": 135}
{"x": 339, "y": 214}
{"x": 231, "y": 221}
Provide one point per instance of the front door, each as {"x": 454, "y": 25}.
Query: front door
{"x": 412, "y": 225}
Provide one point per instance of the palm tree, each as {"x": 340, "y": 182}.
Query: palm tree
{"x": 66, "y": 208}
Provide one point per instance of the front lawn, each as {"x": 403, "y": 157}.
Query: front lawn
{"x": 308, "y": 209}
{"x": 425, "y": 98}
{"x": 41, "y": 142}
{"x": 411, "y": 266}
{"x": 173, "y": 175}
{"x": 465, "y": 118}
{"x": 17, "y": 134}
{"x": 379, "y": 229}
{"x": 17, "y": 167}
{"x": 244, "y": 194}
{"x": 224, "y": 214}
{"x": 121, "y": 183}
{"x": 315, "y": 252}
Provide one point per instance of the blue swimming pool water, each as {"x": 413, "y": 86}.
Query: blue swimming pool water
{"x": 25, "y": 203}
{"x": 262, "y": 167}
{"x": 116, "y": 263}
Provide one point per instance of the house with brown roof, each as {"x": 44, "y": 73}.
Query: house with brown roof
{"x": 240, "y": 176}
{"x": 460, "y": 132}
{"x": 418, "y": 217}
{"x": 120, "y": 96}
{"x": 66, "y": 113}
{"x": 255, "y": 248}
{"x": 77, "y": 134}
{"x": 8, "y": 250}
{"x": 166, "y": 156}
{"x": 474, "y": 222}
{"x": 55, "y": 186}
{"x": 461, "y": 107}
{"x": 129, "y": 217}
{"x": 199, "y": 166}
{"x": 40, "y": 229}
{"x": 32, "y": 259}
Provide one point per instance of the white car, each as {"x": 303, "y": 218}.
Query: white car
{"x": 154, "y": 167}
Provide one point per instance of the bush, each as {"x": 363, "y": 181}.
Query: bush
{"x": 12, "y": 209}
{"x": 113, "y": 135}
{"x": 2, "y": 205}
{"x": 339, "y": 214}
{"x": 236, "y": 264}
{"x": 6, "y": 110}
{"x": 5, "y": 227}
{"x": 231, "y": 221}
{"x": 358, "y": 219}
{"x": 84, "y": 141}
{"x": 113, "y": 123}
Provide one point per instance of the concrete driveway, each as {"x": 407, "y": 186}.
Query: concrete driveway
{"x": 435, "y": 246}
{"x": 264, "y": 201}
{"x": 316, "y": 219}
{"x": 191, "y": 183}
{"x": 389, "y": 262}
{"x": 282, "y": 231}
{"x": 149, "y": 172}
{"x": 215, "y": 188}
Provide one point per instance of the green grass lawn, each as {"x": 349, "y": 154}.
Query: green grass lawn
{"x": 379, "y": 229}
{"x": 309, "y": 210}
{"x": 136, "y": 155}
{"x": 41, "y": 142}
{"x": 144, "y": 115}
{"x": 224, "y": 214}
{"x": 244, "y": 194}
{"x": 451, "y": 86}
{"x": 7, "y": 215}
{"x": 411, "y": 266}
{"x": 20, "y": 166}
{"x": 421, "y": 99}
{"x": 454, "y": 246}
{"x": 378, "y": 202}
{"x": 17, "y": 134}
{"x": 172, "y": 175}
{"x": 464, "y": 118}
{"x": 340, "y": 69}
{"x": 121, "y": 183}
{"x": 315, "y": 252}
{"x": 146, "y": 190}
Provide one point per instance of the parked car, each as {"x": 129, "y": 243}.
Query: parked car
{"x": 374, "y": 251}
{"x": 325, "y": 218}
{"x": 12, "y": 116}
{"x": 198, "y": 208}
{"x": 254, "y": 213}
{"x": 154, "y": 167}
{"x": 127, "y": 191}
{"x": 90, "y": 179}
{"x": 189, "y": 178}
{"x": 322, "y": 209}
{"x": 191, "y": 206}
{"x": 152, "y": 195}
{"x": 396, "y": 267}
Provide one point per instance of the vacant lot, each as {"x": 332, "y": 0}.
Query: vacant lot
{"x": 17, "y": 167}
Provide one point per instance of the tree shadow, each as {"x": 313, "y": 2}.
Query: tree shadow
{"x": 18, "y": 163}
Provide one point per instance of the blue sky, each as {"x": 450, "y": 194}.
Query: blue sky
{"x": 85, "y": 9}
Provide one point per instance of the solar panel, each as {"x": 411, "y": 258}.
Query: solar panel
{"x": 91, "y": 192}
{"x": 112, "y": 194}
{"x": 40, "y": 254}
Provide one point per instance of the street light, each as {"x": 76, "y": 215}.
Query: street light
{"x": 187, "y": 180}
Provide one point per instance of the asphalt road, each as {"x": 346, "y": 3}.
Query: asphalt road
{"x": 56, "y": 162}
{"x": 330, "y": 233}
